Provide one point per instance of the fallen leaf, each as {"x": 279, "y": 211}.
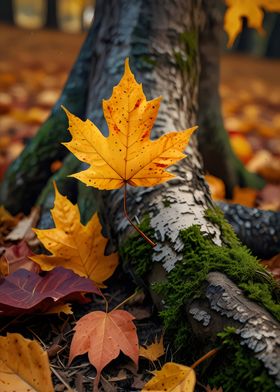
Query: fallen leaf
{"x": 16, "y": 257}
{"x": 26, "y": 292}
{"x": 172, "y": 378}
{"x": 273, "y": 265}
{"x": 127, "y": 155}
{"x": 24, "y": 365}
{"x": 60, "y": 308}
{"x": 73, "y": 245}
{"x": 209, "y": 389}
{"x": 241, "y": 147}
{"x": 250, "y": 9}
{"x": 103, "y": 335}
{"x": 7, "y": 222}
{"x": 269, "y": 198}
{"x": 217, "y": 187}
{"x": 244, "y": 196}
{"x": 153, "y": 351}
{"x": 24, "y": 226}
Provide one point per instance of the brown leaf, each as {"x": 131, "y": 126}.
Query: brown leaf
{"x": 23, "y": 229}
{"x": 273, "y": 265}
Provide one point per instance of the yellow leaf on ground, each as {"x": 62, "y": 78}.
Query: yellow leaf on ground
{"x": 73, "y": 245}
{"x": 127, "y": 155}
{"x": 244, "y": 196}
{"x": 172, "y": 378}
{"x": 153, "y": 351}
{"x": 24, "y": 365}
{"x": 217, "y": 187}
{"x": 252, "y": 10}
{"x": 60, "y": 308}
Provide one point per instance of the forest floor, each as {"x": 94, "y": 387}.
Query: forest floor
{"x": 32, "y": 73}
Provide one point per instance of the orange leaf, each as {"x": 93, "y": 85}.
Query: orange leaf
{"x": 103, "y": 335}
{"x": 24, "y": 365}
{"x": 127, "y": 155}
{"x": 172, "y": 378}
{"x": 217, "y": 187}
{"x": 153, "y": 351}
{"x": 73, "y": 245}
{"x": 252, "y": 10}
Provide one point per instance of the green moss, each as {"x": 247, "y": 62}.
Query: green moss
{"x": 200, "y": 256}
{"x": 137, "y": 252}
{"x": 235, "y": 369}
{"x": 186, "y": 57}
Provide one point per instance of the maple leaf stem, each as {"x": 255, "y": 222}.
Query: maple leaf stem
{"x": 206, "y": 356}
{"x": 143, "y": 235}
{"x": 126, "y": 300}
{"x": 106, "y": 303}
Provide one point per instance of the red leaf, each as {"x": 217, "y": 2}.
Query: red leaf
{"x": 24, "y": 291}
{"x": 16, "y": 257}
{"x": 103, "y": 336}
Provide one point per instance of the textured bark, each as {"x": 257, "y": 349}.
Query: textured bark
{"x": 257, "y": 229}
{"x": 219, "y": 158}
{"x": 154, "y": 35}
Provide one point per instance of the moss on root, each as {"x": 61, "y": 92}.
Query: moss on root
{"x": 185, "y": 282}
{"x": 235, "y": 369}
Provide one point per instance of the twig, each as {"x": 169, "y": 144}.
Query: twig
{"x": 62, "y": 380}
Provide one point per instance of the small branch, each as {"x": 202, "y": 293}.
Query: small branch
{"x": 152, "y": 243}
{"x": 61, "y": 380}
{"x": 206, "y": 356}
{"x": 125, "y": 301}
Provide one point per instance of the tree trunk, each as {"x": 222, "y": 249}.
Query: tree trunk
{"x": 192, "y": 238}
{"x": 213, "y": 140}
{"x": 199, "y": 275}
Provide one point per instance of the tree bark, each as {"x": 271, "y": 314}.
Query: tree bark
{"x": 162, "y": 44}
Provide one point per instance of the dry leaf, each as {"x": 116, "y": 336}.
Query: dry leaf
{"x": 153, "y": 351}
{"x": 217, "y": 187}
{"x": 7, "y": 222}
{"x": 24, "y": 365}
{"x": 60, "y": 308}
{"x": 16, "y": 257}
{"x": 24, "y": 226}
{"x": 244, "y": 196}
{"x": 26, "y": 292}
{"x": 209, "y": 389}
{"x": 273, "y": 265}
{"x": 103, "y": 335}
{"x": 73, "y": 245}
{"x": 127, "y": 155}
{"x": 252, "y": 10}
{"x": 241, "y": 147}
{"x": 172, "y": 378}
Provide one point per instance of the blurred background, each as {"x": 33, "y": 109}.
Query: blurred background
{"x": 40, "y": 39}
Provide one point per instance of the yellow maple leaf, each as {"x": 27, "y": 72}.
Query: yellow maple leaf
{"x": 24, "y": 365}
{"x": 252, "y": 10}
{"x": 127, "y": 155}
{"x": 73, "y": 245}
{"x": 172, "y": 377}
{"x": 153, "y": 351}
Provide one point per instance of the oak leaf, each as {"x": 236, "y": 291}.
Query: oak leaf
{"x": 127, "y": 155}
{"x": 73, "y": 245}
{"x": 252, "y": 10}
{"x": 153, "y": 351}
{"x": 172, "y": 378}
{"x": 24, "y": 365}
{"x": 26, "y": 292}
{"x": 103, "y": 335}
